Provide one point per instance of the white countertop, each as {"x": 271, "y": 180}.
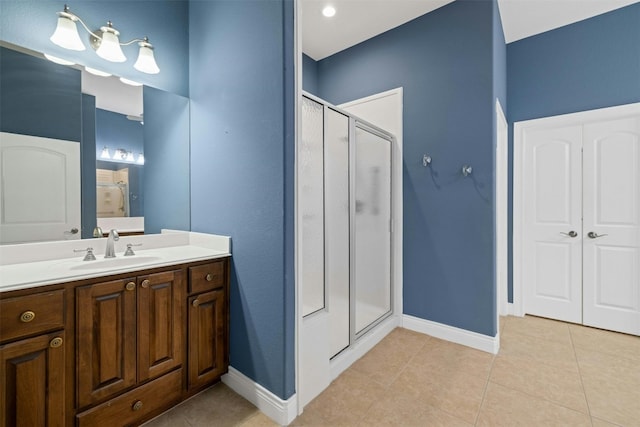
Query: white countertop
{"x": 50, "y": 263}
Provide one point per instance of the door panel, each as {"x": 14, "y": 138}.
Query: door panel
{"x": 159, "y": 323}
{"x": 106, "y": 339}
{"x": 552, "y": 175}
{"x": 39, "y": 189}
{"x": 372, "y": 227}
{"x": 612, "y": 211}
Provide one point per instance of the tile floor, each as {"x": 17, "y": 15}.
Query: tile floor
{"x": 547, "y": 373}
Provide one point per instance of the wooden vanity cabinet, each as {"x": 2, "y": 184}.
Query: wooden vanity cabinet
{"x": 115, "y": 350}
{"x": 32, "y": 360}
{"x": 128, "y": 331}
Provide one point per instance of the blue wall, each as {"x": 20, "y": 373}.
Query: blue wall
{"x": 39, "y": 98}
{"x": 309, "y": 75}
{"x": 30, "y": 23}
{"x": 167, "y": 160}
{"x": 444, "y": 61}
{"x": 242, "y": 142}
{"x": 114, "y": 130}
{"x": 591, "y": 64}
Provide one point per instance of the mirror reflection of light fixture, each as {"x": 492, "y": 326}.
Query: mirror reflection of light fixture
{"x": 96, "y": 72}
{"x": 105, "y": 153}
{"x": 58, "y": 60}
{"x": 105, "y": 41}
{"x": 121, "y": 155}
{"x": 129, "y": 82}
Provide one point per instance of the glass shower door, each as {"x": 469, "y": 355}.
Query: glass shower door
{"x": 372, "y": 227}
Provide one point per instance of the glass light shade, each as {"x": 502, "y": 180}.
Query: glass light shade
{"x": 110, "y": 46}
{"x": 140, "y": 159}
{"x": 105, "y": 153}
{"x": 329, "y": 11}
{"x": 66, "y": 34}
{"x": 130, "y": 157}
{"x": 58, "y": 60}
{"x": 146, "y": 62}
{"x": 96, "y": 72}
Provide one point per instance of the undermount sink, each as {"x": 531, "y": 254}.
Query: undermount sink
{"x": 114, "y": 262}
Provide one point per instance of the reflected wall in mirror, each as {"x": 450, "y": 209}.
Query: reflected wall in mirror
{"x": 53, "y": 102}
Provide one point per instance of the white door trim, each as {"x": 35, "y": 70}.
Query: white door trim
{"x": 519, "y": 130}
{"x": 502, "y": 213}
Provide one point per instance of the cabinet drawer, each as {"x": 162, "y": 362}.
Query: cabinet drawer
{"x": 136, "y": 405}
{"x": 206, "y": 277}
{"x": 31, "y": 314}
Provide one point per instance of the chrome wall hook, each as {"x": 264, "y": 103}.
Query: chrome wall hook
{"x": 466, "y": 170}
{"x": 426, "y": 160}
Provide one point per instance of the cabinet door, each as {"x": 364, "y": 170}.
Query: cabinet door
{"x": 32, "y": 381}
{"x": 207, "y": 337}
{"x": 160, "y": 323}
{"x": 106, "y": 339}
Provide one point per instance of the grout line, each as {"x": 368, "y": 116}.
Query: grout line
{"x": 580, "y": 375}
{"x": 484, "y": 393}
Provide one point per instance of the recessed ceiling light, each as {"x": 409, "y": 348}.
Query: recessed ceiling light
{"x": 329, "y": 11}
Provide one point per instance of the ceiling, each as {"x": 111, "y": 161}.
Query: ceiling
{"x": 358, "y": 20}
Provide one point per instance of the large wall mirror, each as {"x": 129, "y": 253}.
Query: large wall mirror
{"x": 78, "y": 151}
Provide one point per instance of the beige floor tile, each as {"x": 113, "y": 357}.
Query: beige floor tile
{"x": 347, "y": 399}
{"x": 457, "y": 393}
{"x": 538, "y": 327}
{"x": 393, "y": 352}
{"x": 620, "y": 345}
{"x": 310, "y": 417}
{"x": 259, "y": 420}
{"x": 443, "y": 356}
{"x": 538, "y": 379}
{"x": 506, "y": 407}
{"x": 560, "y": 355}
{"x": 601, "y": 423}
{"x": 402, "y": 409}
{"x": 172, "y": 418}
{"x": 218, "y": 403}
{"x": 595, "y": 363}
{"x": 613, "y": 399}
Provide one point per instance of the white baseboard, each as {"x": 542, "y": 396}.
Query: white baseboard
{"x": 281, "y": 411}
{"x": 450, "y": 333}
{"x": 341, "y": 362}
{"x": 513, "y": 310}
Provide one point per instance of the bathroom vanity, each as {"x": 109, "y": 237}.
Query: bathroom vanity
{"x": 112, "y": 341}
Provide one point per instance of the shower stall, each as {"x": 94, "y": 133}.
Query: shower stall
{"x": 344, "y": 223}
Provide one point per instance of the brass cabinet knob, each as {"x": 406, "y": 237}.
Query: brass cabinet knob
{"x": 209, "y": 277}
{"x": 145, "y": 283}
{"x": 195, "y": 303}
{"x": 130, "y": 286}
{"x": 27, "y": 316}
{"x": 56, "y": 342}
{"x": 137, "y": 405}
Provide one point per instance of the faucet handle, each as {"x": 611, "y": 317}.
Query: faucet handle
{"x": 129, "y": 251}
{"x": 89, "y": 256}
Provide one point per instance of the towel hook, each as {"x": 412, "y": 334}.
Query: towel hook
{"x": 426, "y": 160}
{"x": 466, "y": 170}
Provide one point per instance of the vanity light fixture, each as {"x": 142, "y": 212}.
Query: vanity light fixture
{"x": 329, "y": 11}
{"x": 58, "y": 60}
{"x": 105, "y": 41}
{"x": 140, "y": 159}
{"x": 121, "y": 155}
{"x": 130, "y": 157}
{"x": 96, "y": 72}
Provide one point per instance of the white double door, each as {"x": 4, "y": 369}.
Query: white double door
{"x": 581, "y": 234}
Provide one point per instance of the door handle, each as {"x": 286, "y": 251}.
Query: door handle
{"x": 570, "y": 234}
{"x": 73, "y": 231}
{"x": 594, "y": 235}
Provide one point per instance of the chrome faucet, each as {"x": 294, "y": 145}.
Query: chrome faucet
{"x": 110, "y": 252}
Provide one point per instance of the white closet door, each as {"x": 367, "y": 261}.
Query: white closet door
{"x": 39, "y": 189}
{"x": 611, "y": 188}
{"x": 552, "y": 223}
